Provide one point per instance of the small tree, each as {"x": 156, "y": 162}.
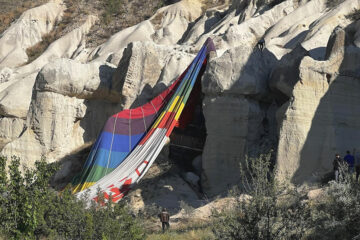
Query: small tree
{"x": 337, "y": 215}
{"x": 31, "y": 209}
{"x": 274, "y": 210}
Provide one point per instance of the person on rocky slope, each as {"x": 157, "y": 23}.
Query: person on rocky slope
{"x": 357, "y": 165}
{"x": 164, "y": 218}
{"x": 336, "y": 164}
{"x": 350, "y": 160}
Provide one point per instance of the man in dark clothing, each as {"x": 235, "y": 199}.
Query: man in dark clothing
{"x": 336, "y": 163}
{"x": 357, "y": 165}
{"x": 164, "y": 218}
{"x": 350, "y": 160}
{"x": 261, "y": 44}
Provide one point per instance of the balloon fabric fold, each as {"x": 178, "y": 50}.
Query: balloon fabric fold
{"x": 132, "y": 139}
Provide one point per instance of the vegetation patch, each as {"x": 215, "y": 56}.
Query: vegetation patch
{"x": 197, "y": 234}
{"x": 211, "y": 3}
{"x": 354, "y": 16}
{"x": 269, "y": 3}
{"x": 333, "y": 3}
{"x": 31, "y": 209}
{"x": 273, "y": 210}
{"x": 59, "y": 30}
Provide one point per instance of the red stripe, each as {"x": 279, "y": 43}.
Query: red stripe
{"x": 146, "y": 162}
{"x": 157, "y": 102}
{"x": 137, "y": 172}
{"x": 170, "y": 129}
{"x": 165, "y": 121}
{"x": 147, "y": 136}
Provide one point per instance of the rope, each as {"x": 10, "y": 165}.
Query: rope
{"x": 112, "y": 140}
{"x": 130, "y": 132}
{"x": 143, "y": 119}
{"x": 154, "y": 107}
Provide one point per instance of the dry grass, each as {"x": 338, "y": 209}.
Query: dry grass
{"x": 115, "y": 15}
{"x": 36, "y": 50}
{"x": 156, "y": 21}
{"x": 207, "y": 4}
{"x": 333, "y": 3}
{"x": 195, "y": 234}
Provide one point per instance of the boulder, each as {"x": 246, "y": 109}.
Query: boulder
{"x": 192, "y": 179}
{"x": 197, "y": 165}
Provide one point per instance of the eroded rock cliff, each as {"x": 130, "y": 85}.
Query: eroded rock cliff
{"x": 297, "y": 96}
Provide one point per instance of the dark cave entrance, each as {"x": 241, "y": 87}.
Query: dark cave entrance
{"x": 187, "y": 141}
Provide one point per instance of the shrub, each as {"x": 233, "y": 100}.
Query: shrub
{"x": 337, "y": 216}
{"x": 31, "y": 209}
{"x": 112, "y": 7}
{"x": 189, "y": 210}
{"x": 274, "y": 211}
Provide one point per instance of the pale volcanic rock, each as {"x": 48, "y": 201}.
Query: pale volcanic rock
{"x": 71, "y": 100}
{"x": 64, "y": 47}
{"x": 322, "y": 115}
{"x": 236, "y": 122}
{"x": 27, "y": 31}
{"x": 57, "y": 106}
{"x": 148, "y": 65}
{"x": 166, "y": 27}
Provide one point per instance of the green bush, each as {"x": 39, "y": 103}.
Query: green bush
{"x": 112, "y": 7}
{"x": 337, "y": 215}
{"x": 30, "y": 209}
{"x": 277, "y": 211}
{"x": 272, "y": 211}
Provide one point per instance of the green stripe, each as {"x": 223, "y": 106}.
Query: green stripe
{"x": 93, "y": 175}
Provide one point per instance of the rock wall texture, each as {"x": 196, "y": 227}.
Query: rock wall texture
{"x": 298, "y": 96}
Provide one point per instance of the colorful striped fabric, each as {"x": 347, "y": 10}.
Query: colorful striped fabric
{"x": 132, "y": 139}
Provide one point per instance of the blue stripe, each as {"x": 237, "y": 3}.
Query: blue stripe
{"x": 120, "y": 142}
{"x": 102, "y": 156}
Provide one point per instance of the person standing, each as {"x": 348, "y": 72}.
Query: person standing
{"x": 261, "y": 44}
{"x": 336, "y": 164}
{"x": 357, "y": 165}
{"x": 350, "y": 160}
{"x": 164, "y": 218}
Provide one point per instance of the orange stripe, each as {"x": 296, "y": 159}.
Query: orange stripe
{"x": 147, "y": 136}
{"x": 164, "y": 123}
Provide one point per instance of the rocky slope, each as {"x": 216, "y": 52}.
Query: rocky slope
{"x": 298, "y": 96}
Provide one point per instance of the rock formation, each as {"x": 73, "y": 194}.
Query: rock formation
{"x": 298, "y": 96}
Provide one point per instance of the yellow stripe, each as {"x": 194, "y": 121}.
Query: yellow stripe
{"x": 82, "y": 187}
{"x": 179, "y": 111}
{"x": 159, "y": 119}
{"x": 176, "y": 101}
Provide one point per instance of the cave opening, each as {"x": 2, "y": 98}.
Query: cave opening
{"x": 188, "y": 138}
